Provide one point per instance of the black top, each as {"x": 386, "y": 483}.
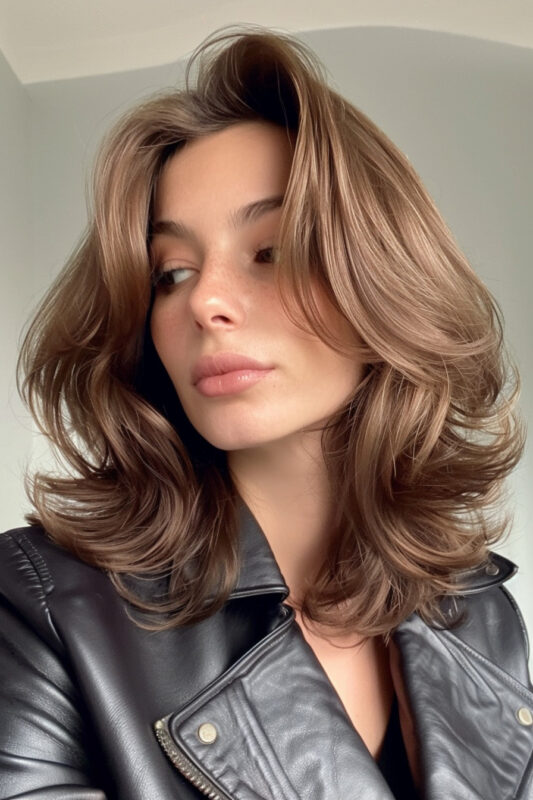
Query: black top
{"x": 393, "y": 761}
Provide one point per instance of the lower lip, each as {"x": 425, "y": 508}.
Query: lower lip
{"x": 230, "y": 382}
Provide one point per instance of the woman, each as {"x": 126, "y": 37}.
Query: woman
{"x": 278, "y": 390}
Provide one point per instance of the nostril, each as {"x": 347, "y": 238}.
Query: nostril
{"x": 220, "y": 318}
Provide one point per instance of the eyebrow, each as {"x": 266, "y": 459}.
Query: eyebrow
{"x": 242, "y": 216}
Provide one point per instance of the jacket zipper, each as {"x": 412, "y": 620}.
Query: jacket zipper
{"x": 184, "y": 764}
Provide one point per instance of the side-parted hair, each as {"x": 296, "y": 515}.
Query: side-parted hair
{"x": 418, "y": 455}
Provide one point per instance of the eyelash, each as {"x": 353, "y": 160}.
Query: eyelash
{"x": 163, "y": 278}
{"x": 265, "y": 250}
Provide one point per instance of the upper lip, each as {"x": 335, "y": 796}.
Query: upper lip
{"x": 220, "y": 363}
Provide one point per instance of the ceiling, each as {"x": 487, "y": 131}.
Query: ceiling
{"x": 46, "y": 40}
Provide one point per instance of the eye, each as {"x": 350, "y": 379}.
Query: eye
{"x": 171, "y": 277}
{"x": 266, "y": 255}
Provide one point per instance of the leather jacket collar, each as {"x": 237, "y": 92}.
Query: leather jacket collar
{"x": 259, "y": 573}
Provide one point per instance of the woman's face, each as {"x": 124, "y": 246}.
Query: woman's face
{"x": 245, "y": 374}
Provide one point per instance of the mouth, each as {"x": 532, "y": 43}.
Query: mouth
{"x": 227, "y": 373}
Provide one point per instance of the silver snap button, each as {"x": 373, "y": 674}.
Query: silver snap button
{"x": 492, "y": 569}
{"x": 207, "y": 733}
{"x": 524, "y": 716}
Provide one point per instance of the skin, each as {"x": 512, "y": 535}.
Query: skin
{"x": 225, "y": 299}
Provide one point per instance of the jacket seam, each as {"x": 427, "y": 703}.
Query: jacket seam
{"x": 451, "y": 641}
{"x": 235, "y": 672}
{"x": 40, "y": 568}
{"x": 269, "y": 764}
{"x": 37, "y": 561}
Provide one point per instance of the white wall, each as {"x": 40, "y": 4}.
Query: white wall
{"x": 16, "y": 289}
{"x": 459, "y": 107}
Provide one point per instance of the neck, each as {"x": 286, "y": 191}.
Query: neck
{"x": 285, "y": 486}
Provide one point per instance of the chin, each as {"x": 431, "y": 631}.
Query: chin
{"x": 240, "y": 441}
{"x": 235, "y": 434}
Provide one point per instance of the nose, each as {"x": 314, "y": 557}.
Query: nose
{"x": 218, "y": 298}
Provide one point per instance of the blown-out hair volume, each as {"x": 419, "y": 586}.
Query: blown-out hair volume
{"x": 417, "y": 457}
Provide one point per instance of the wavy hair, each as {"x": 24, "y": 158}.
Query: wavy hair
{"x": 417, "y": 457}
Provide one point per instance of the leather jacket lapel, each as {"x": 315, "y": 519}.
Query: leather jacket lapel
{"x": 276, "y": 730}
{"x": 465, "y": 712}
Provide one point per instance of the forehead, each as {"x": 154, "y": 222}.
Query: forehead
{"x": 241, "y": 163}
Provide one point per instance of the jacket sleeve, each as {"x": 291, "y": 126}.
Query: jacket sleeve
{"x": 45, "y": 750}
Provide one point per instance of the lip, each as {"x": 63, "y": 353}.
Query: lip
{"x": 227, "y": 373}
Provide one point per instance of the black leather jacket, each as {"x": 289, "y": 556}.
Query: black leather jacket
{"x": 237, "y": 707}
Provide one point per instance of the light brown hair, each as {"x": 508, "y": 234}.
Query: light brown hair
{"x": 418, "y": 455}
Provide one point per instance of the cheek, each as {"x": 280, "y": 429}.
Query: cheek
{"x": 340, "y": 377}
{"x": 334, "y": 376}
{"x": 166, "y": 335}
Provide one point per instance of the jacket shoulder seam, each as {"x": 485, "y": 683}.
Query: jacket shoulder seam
{"x": 40, "y": 568}
{"x": 37, "y": 561}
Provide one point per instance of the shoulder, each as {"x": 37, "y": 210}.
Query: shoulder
{"x": 489, "y": 620}
{"x": 36, "y": 573}
{"x": 29, "y": 557}
{"x": 485, "y": 626}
